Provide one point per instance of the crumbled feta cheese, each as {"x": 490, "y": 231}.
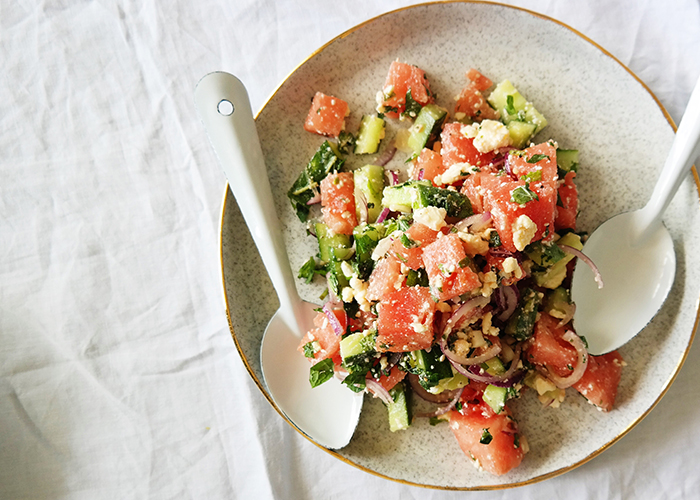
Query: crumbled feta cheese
{"x": 473, "y": 244}
{"x": 491, "y": 135}
{"x": 346, "y": 268}
{"x": 523, "y": 232}
{"x": 454, "y": 173}
{"x": 469, "y": 131}
{"x": 489, "y": 282}
{"x": 347, "y": 294}
{"x": 433, "y": 217}
{"x": 511, "y": 266}
{"x": 487, "y": 327}
{"x": 444, "y": 307}
{"x": 384, "y": 245}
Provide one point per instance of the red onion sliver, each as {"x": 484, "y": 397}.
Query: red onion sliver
{"x": 393, "y": 176}
{"x": 579, "y": 370}
{"x": 383, "y": 215}
{"x": 378, "y": 390}
{"x": 386, "y": 156}
{"x": 443, "y": 409}
{"x": 584, "y": 258}
{"x": 511, "y": 302}
{"x": 315, "y": 199}
{"x": 468, "y": 307}
{"x": 475, "y": 222}
{"x": 489, "y": 353}
{"x": 333, "y": 319}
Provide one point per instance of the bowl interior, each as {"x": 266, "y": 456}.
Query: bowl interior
{"x": 592, "y": 102}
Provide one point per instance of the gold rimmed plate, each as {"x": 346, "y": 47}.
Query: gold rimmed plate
{"x": 593, "y": 104}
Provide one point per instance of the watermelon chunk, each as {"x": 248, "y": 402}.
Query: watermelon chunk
{"x": 471, "y": 102}
{"x": 327, "y": 115}
{"x": 338, "y": 202}
{"x": 405, "y": 320}
{"x": 448, "y": 269}
{"x": 325, "y": 342}
{"x": 426, "y": 166}
{"x": 409, "y": 248}
{"x": 601, "y": 379}
{"x": 385, "y": 278}
{"x": 400, "y": 79}
{"x": 490, "y": 439}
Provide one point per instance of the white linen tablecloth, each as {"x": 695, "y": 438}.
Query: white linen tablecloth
{"x": 118, "y": 375}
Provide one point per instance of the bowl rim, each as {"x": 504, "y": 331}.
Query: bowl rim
{"x": 227, "y": 197}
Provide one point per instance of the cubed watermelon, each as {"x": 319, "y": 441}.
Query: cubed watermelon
{"x": 405, "y": 320}
{"x": 426, "y": 166}
{"x": 325, "y": 342}
{"x": 400, "y": 79}
{"x": 385, "y": 278}
{"x": 409, "y": 247}
{"x": 448, "y": 269}
{"x": 338, "y": 202}
{"x": 327, "y": 115}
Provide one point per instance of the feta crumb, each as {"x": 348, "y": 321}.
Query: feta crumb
{"x": 433, "y": 217}
{"x": 347, "y": 294}
{"x": 473, "y": 244}
{"x": 511, "y": 266}
{"x": 523, "y": 232}
{"x": 489, "y": 282}
{"x": 346, "y": 268}
{"x": 491, "y": 135}
{"x": 454, "y": 173}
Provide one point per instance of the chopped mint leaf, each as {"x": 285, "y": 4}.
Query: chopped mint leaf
{"x": 309, "y": 350}
{"x": 321, "y": 372}
{"x": 533, "y": 176}
{"x": 356, "y": 382}
{"x": 536, "y": 158}
{"x": 486, "y": 437}
{"x": 510, "y": 109}
{"x": 523, "y": 194}
{"x": 412, "y": 107}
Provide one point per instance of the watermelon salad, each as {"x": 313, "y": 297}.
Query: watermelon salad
{"x": 447, "y": 280}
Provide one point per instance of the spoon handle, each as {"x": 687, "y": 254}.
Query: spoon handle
{"x": 224, "y": 107}
{"x": 684, "y": 151}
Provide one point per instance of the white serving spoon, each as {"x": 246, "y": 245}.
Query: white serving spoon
{"x": 329, "y": 413}
{"x": 634, "y": 253}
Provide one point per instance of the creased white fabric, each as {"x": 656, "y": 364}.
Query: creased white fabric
{"x": 118, "y": 376}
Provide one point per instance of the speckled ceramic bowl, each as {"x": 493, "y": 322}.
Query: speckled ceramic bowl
{"x": 593, "y": 103}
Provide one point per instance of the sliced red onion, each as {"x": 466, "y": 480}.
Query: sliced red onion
{"x": 443, "y": 409}
{"x": 511, "y": 377}
{"x": 333, "y": 319}
{"x": 489, "y": 353}
{"x": 386, "y": 156}
{"x": 476, "y": 222}
{"x": 383, "y": 215}
{"x": 393, "y": 177}
{"x": 579, "y": 370}
{"x": 378, "y": 390}
{"x": 315, "y": 199}
{"x": 421, "y": 173}
{"x": 568, "y": 315}
{"x": 584, "y": 258}
{"x": 510, "y": 299}
{"x": 467, "y": 308}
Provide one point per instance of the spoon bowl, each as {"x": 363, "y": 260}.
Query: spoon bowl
{"x": 327, "y": 414}
{"x": 634, "y": 254}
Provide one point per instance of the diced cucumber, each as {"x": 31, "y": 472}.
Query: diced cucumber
{"x": 426, "y": 128}
{"x": 521, "y": 324}
{"x": 430, "y": 366}
{"x": 544, "y": 254}
{"x": 399, "y": 410}
{"x": 419, "y": 194}
{"x": 366, "y": 237}
{"x": 495, "y": 397}
{"x": 494, "y": 366}
{"x": 369, "y": 183}
{"x": 456, "y": 381}
{"x": 552, "y": 277}
{"x": 557, "y": 303}
{"x": 370, "y": 135}
{"x": 567, "y": 161}
{"x": 515, "y": 108}
{"x": 332, "y": 249}
{"x": 326, "y": 160}
{"x": 358, "y": 351}
{"x": 520, "y": 133}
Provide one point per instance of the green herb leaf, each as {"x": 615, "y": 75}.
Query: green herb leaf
{"x": 486, "y": 437}
{"x": 437, "y": 420}
{"x": 321, "y": 372}
{"x": 494, "y": 239}
{"x": 309, "y": 349}
{"x": 464, "y": 262}
{"x": 412, "y": 106}
{"x": 346, "y": 142}
{"x": 533, "y": 176}
{"x": 523, "y": 194}
{"x": 417, "y": 278}
{"x": 536, "y": 158}
{"x": 306, "y": 272}
{"x": 356, "y": 382}
{"x": 407, "y": 242}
